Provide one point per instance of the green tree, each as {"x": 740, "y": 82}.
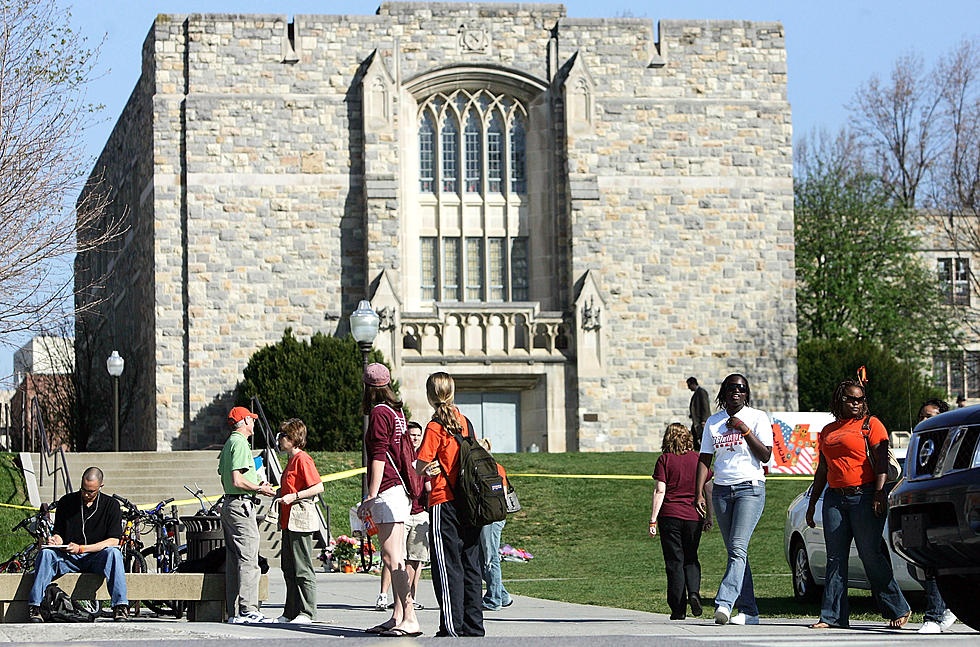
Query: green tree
{"x": 318, "y": 381}
{"x": 896, "y": 389}
{"x": 859, "y": 274}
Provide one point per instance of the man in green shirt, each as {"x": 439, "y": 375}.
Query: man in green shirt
{"x": 238, "y": 519}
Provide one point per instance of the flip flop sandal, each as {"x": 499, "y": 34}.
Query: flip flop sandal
{"x": 820, "y": 625}
{"x": 377, "y": 629}
{"x": 400, "y": 633}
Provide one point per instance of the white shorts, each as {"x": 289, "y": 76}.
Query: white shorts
{"x": 391, "y": 506}
{"x": 417, "y": 537}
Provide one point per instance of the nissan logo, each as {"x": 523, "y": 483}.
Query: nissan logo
{"x": 925, "y": 451}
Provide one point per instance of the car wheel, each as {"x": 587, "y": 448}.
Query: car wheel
{"x": 804, "y": 588}
{"x": 960, "y": 593}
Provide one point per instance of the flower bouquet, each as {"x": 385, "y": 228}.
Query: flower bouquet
{"x": 344, "y": 552}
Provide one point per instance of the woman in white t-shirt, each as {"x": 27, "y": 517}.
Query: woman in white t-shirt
{"x": 739, "y": 439}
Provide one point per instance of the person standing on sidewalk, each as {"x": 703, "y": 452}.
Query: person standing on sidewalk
{"x": 496, "y": 597}
{"x": 739, "y": 438}
{"x": 239, "y": 519}
{"x": 455, "y": 545}
{"x": 855, "y": 507}
{"x": 674, "y": 518}
{"x": 301, "y": 483}
{"x": 937, "y": 617}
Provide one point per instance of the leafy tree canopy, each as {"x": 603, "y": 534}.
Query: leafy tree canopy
{"x": 318, "y": 381}
{"x": 896, "y": 389}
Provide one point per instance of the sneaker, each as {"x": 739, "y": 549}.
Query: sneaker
{"x": 722, "y": 615}
{"x": 34, "y": 614}
{"x": 301, "y": 620}
{"x": 930, "y": 627}
{"x": 382, "y": 603}
{"x": 120, "y": 613}
{"x": 742, "y": 619}
{"x": 250, "y": 618}
{"x": 507, "y": 603}
{"x": 947, "y": 621}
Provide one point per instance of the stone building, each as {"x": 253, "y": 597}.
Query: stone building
{"x": 570, "y": 215}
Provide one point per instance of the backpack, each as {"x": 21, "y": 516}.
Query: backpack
{"x": 403, "y": 458}
{"x": 479, "y": 491}
{"x": 56, "y": 606}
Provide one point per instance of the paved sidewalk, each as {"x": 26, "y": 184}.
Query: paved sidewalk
{"x": 346, "y": 607}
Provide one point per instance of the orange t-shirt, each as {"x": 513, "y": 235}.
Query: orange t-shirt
{"x": 300, "y": 474}
{"x": 841, "y": 443}
{"x": 437, "y": 443}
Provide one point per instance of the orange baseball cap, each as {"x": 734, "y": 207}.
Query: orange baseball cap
{"x": 240, "y": 413}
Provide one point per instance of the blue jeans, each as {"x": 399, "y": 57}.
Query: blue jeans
{"x": 738, "y": 509}
{"x": 496, "y": 595}
{"x": 54, "y": 562}
{"x": 847, "y": 517}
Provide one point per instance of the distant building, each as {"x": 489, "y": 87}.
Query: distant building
{"x": 44, "y": 368}
{"x": 569, "y": 215}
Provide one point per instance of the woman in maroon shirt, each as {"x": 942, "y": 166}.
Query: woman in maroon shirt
{"x": 679, "y": 523}
{"x": 387, "y": 500}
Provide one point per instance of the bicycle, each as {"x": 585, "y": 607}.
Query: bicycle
{"x": 37, "y": 526}
{"x": 131, "y": 545}
{"x": 165, "y": 554}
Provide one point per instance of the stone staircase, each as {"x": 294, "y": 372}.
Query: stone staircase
{"x": 150, "y": 477}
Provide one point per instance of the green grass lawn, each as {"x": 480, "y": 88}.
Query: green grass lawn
{"x": 589, "y": 536}
{"x": 12, "y": 492}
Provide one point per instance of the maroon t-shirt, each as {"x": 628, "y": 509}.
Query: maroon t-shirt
{"x": 386, "y": 429}
{"x": 679, "y": 472}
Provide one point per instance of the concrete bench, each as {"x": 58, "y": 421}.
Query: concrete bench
{"x": 205, "y": 592}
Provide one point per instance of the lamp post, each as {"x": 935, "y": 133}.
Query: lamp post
{"x": 364, "y": 324}
{"x": 115, "y": 364}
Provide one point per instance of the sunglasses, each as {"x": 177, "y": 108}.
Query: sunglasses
{"x": 737, "y": 386}
{"x": 855, "y": 400}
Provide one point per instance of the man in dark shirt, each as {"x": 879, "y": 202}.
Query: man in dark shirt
{"x": 89, "y": 526}
{"x": 700, "y": 410}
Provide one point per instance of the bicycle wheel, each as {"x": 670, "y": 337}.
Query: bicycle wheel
{"x": 133, "y": 562}
{"x": 13, "y": 566}
{"x": 169, "y": 564}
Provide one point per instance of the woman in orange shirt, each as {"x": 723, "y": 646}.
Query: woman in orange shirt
{"x": 854, "y": 507}
{"x": 454, "y": 546}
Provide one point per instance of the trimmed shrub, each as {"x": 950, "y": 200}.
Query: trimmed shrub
{"x": 318, "y": 381}
{"x": 896, "y": 389}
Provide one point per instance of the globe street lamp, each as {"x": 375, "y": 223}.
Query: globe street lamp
{"x": 115, "y": 365}
{"x": 364, "y": 324}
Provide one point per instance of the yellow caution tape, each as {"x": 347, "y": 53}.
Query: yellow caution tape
{"x": 18, "y": 507}
{"x": 336, "y": 476}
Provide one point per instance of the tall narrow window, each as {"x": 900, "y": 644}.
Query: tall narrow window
{"x": 495, "y": 138}
{"x": 518, "y": 155}
{"x": 449, "y": 154}
{"x": 973, "y": 374}
{"x": 430, "y": 262}
{"x": 427, "y": 140}
{"x": 498, "y": 269}
{"x": 474, "y": 269}
{"x": 961, "y": 282}
{"x": 473, "y": 152}
{"x": 450, "y": 269}
{"x": 956, "y": 374}
{"x": 518, "y": 269}
{"x": 939, "y": 364}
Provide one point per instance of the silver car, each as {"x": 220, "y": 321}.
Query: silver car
{"x": 807, "y": 555}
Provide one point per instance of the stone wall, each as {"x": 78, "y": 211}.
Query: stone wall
{"x": 267, "y": 204}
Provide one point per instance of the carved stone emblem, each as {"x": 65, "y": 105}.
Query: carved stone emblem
{"x": 474, "y": 40}
{"x": 590, "y": 315}
{"x": 387, "y": 317}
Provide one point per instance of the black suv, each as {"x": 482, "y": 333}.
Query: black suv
{"x": 934, "y": 512}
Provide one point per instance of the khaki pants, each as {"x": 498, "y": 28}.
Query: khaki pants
{"x": 238, "y": 521}
{"x": 297, "y": 571}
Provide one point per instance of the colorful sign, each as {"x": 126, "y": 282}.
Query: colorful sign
{"x": 794, "y": 433}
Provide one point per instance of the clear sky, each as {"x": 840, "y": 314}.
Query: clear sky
{"x": 832, "y": 46}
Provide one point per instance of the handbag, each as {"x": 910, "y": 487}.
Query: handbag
{"x": 894, "y": 470}
{"x": 303, "y": 516}
{"x": 510, "y": 498}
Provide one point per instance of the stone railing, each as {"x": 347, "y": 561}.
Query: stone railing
{"x": 499, "y": 330}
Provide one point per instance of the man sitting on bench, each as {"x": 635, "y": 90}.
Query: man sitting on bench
{"x": 87, "y": 527}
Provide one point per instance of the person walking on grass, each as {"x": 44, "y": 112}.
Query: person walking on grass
{"x": 455, "y": 545}
{"x": 387, "y": 501}
{"x": 854, "y": 507}
{"x": 301, "y": 484}
{"x": 674, "y": 518}
{"x": 739, "y": 438}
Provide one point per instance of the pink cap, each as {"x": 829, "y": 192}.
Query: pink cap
{"x": 377, "y": 375}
